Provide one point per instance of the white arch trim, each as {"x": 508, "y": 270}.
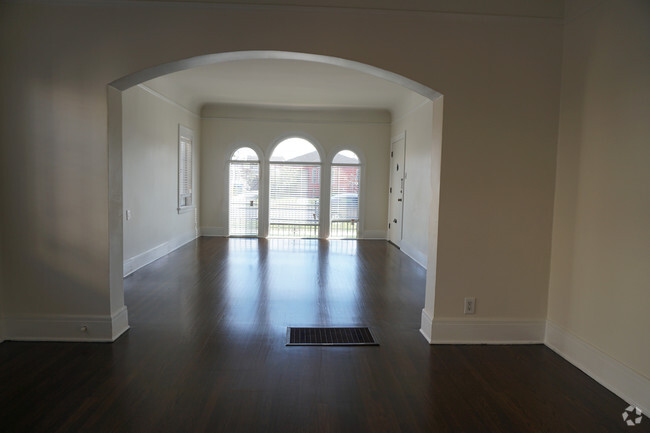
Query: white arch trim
{"x": 210, "y": 59}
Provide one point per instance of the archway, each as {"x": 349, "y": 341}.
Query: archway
{"x": 115, "y": 207}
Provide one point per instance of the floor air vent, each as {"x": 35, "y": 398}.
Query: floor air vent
{"x": 356, "y": 336}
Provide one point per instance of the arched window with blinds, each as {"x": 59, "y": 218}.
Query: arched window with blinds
{"x": 243, "y": 195}
{"x": 294, "y": 189}
{"x": 344, "y": 195}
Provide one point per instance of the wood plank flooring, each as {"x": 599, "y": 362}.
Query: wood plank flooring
{"x": 206, "y": 353}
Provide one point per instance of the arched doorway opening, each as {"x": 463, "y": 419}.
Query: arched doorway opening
{"x": 116, "y": 262}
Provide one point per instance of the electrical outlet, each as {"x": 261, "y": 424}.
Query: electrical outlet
{"x": 470, "y": 305}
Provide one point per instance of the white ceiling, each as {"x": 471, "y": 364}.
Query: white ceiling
{"x": 282, "y": 83}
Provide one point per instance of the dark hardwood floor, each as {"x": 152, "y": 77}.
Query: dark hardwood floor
{"x": 206, "y": 353}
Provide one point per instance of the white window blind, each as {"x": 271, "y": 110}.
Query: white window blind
{"x": 344, "y": 195}
{"x": 185, "y": 137}
{"x": 244, "y": 193}
{"x": 294, "y": 200}
{"x": 294, "y": 189}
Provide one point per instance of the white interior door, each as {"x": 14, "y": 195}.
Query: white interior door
{"x": 396, "y": 190}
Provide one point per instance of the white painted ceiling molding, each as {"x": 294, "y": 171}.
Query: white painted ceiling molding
{"x": 210, "y": 59}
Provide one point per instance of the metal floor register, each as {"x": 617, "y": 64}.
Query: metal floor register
{"x": 330, "y": 336}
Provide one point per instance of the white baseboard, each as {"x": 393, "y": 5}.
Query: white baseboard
{"x": 426, "y": 324}
{"x": 98, "y": 328}
{"x": 612, "y": 374}
{"x": 214, "y": 231}
{"x": 483, "y": 331}
{"x": 374, "y": 234}
{"x": 421, "y": 259}
{"x": 134, "y": 263}
{"x": 119, "y": 323}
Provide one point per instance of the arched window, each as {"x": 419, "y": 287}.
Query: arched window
{"x": 243, "y": 196}
{"x": 344, "y": 198}
{"x": 294, "y": 189}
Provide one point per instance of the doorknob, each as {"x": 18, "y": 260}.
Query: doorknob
{"x": 394, "y": 220}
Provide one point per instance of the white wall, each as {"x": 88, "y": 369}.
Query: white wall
{"x": 500, "y": 76}
{"x": 416, "y": 120}
{"x": 150, "y": 175}
{"x": 227, "y": 127}
{"x": 599, "y": 291}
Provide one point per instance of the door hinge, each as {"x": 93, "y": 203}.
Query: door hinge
{"x": 388, "y": 225}
{"x": 391, "y": 154}
{"x": 391, "y": 190}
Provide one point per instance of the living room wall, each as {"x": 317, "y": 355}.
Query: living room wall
{"x": 150, "y": 177}
{"x": 225, "y": 128}
{"x": 500, "y": 76}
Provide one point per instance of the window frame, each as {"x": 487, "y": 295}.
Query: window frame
{"x": 188, "y": 134}
{"x": 359, "y": 165}
{"x": 321, "y": 164}
{"x": 260, "y": 199}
